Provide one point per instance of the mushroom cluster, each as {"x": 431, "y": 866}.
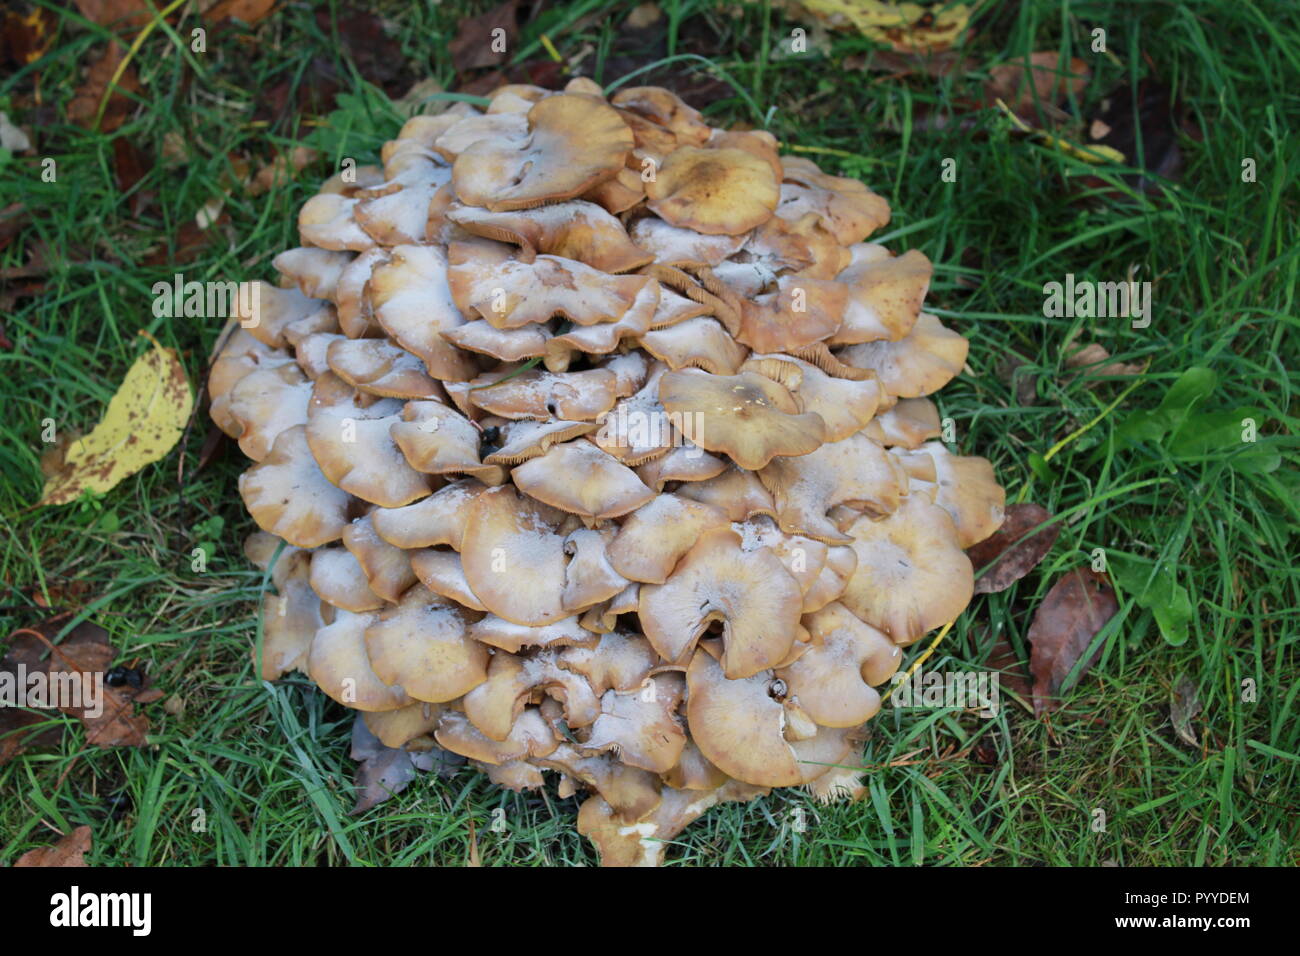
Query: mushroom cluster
{"x": 591, "y": 439}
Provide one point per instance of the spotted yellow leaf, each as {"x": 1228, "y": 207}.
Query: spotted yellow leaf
{"x": 907, "y": 27}
{"x": 144, "y": 421}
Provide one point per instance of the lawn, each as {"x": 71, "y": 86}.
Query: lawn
{"x": 1146, "y": 465}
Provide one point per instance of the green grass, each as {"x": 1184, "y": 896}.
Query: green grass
{"x": 268, "y": 764}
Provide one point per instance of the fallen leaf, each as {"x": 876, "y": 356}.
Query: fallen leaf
{"x": 476, "y": 37}
{"x": 129, "y": 167}
{"x": 249, "y": 11}
{"x": 1073, "y": 612}
{"x": 71, "y": 850}
{"x": 1183, "y": 710}
{"x": 366, "y": 41}
{"x": 282, "y": 169}
{"x": 1096, "y": 360}
{"x": 1019, "y": 373}
{"x": 1011, "y": 670}
{"x": 1044, "y": 81}
{"x": 383, "y": 772}
{"x": 899, "y": 65}
{"x": 143, "y": 422}
{"x": 27, "y": 38}
{"x": 131, "y": 14}
{"x": 906, "y": 27}
{"x": 190, "y": 243}
{"x": 85, "y": 104}
{"x": 1014, "y": 549}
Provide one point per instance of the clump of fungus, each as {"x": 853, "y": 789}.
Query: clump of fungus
{"x": 589, "y": 440}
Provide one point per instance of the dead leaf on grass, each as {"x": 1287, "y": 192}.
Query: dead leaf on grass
{"x": 1073, "y": 612}
{"x": 1014, "y": 549}
{"x": 71, "y": 850}
{"x": 85, "y": 104}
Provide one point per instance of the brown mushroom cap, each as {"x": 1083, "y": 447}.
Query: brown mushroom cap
{"x": 493, "y": 706}
{"x": 714, "y": 191}
{"x": 422, "y": 644}
{"x": 833, "y": 679}
{"x": 378, "y": 367}
{"x": 608, "y": 488}
{"x": 315, "y": 272}
{"x": 855, "y": 472}
{"x": 337, "y": 578}
{"x": 530, "y": 736}
{"x": 922, "y": 362}
{"x": 912, "y": 575}
{"x": 573, "y": 142}
{"x": 387, "y": 568}
{"x": 338, "y": 662}
{"x": 750, "y": 593}
{"x": 908, "y": 424}
{"x": 846, "y": 207}
{"x": 641, "y": 727}
{"x": 412, "y": 301}
{"x": 884, "y": 296}
{"x": 748, "y": 417}
{"x": 328, "y": 220}
{"x": 290, "y": 617}
{"x": 498, "y": 632}
{"x": 695, "y": 343}
{"x": 845, "y": 406}
{"x": 288, "y": 496}
{"x": 968, "y": 490}
{"x": 653, "y": 538}
{"x": 436, "y": 520}
{"x": 576, "y": 229}
{"x": 265, "y": 402}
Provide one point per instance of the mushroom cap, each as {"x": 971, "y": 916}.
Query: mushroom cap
{"x": 412, "y": 302}
{"x": 846, "y": 207}
{"x": 498, "y": 632}
{"x": 750, "y": 593}
{"x": 289, "y": 496}
{"x": 884, "y": 296}
{"x": 339, "y": 664}
{"x": 576, "y": 229}
{"x": 833, "y": 679}
{"x": 423, "y": 644}
{"x": 968, "y": 490}
{"x": 530, "y": 736}
{"x": 747, "y": 416}
{"x": 641, "y": 727}
{"x": 920, "y": 363}
{"x": 845, "y": 406}
{"x": 573, "y": 142}
{"x": 695, "y": 343}
{"x": 653, "y": 538}
{"x": 608, "y": 488}
{"x": 724, "y": 191}
{"x": 493, "y": 705}
{"x": 912, "y": 575}
{"x": 908, "y": 424}
{"x": 432, "y": 521}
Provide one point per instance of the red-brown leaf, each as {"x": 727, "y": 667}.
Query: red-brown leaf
{"x": 1014, "y": 549}
{"x": 71, "y": 850}
{"x": 1073, "y": 612}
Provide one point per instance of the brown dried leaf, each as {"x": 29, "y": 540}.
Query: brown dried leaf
{"x": 1044, "y": 82}
{"x": 25, "y": 39}
{"x": 1014, "y": 549}
{"x": 1094, "y": 357}
{"x": 71, "y": 850}
{"x": 1073, "y": 612}
{"x": 85, "y": 104}
{"x": 131, "y": 14}
{"x": 472, "y": 46}
{"x": 1183, "y": 710}
{"x": 282, "y": 169}
{"x": 249, "y": 11}
{"x": 1012, "y": 672}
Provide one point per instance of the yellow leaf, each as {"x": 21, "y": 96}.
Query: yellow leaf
{"x": 1094, "y": 153}
{"x": 907, "y": 27}
{"x": 144, "y": 421}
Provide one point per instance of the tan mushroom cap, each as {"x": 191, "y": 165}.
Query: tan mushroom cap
{"x": 469, "y": 130}
{"x": 267, "y": 311}
{"x": 315, "y": 272}
{"x": 397, "y": 728}
{"x": 616, "y": 195}
{"x": 573, "y": 142}
{"x": 328, "y": 221}
{"x": 412, "y": 301}
{"x": 968, "y": 490}
{"x": 653, "y": 538}
{"x": 509, "y": 345}
{"x": 511, "y": 680}
{"x": 354, "y": 449}
{"x": 399, "y": 217}
{"x": 912, "y": 575}
{"x": 513, "y": 557}
{"x": 524, "y": 440}
{"x": 603, "y": 618}
{"x": 641, "y": 727}
{"x": 619, "y": 661}
{"x": 605, "y": 337}
{"x": 290, "y": 616}
{"x": 846, "y": 207}
{"x": 674, "y": 245}
{"x": 832, "y": 580}
{"x": 239, "y": 355}
{"x": 738, "y": 724}
{"x": 801, "y": 246}
{"x": 666, "y": 109}
{"x": 378, "y": 367}
{"x": 338, "y": 662}
{"x": 312, "y": 353}
{"x": 630, "y": 792}
{"x": 747, "y": 416}
{"x": 834, "y": 679}
{"x": 750, "y": 593}
{"x": 695, "y": 343}
{"x": 685, "y": 462}
{"x": 531, "y": 736}
{"x": 348, "y": 183}
{"x": 884, "y": 295}
{"x": 355, "y": 310}
{"x": 437, "y": 439}
{"x": 386, "y": 567}
{"x": 264, "y": 403}
{"x": 422, "y": 644}
{"x": 511, "y": 293}
{"x": 734, "y": 491}
{"x": 573, "y": 396}
{"x": 714, "y": 191}
{"x": 845, "y": 406}
{"x": 576, "y": 229}
{"x": 338, "y": 579}
{"x": 909, "y": 424}
{"x": 498, "y": 632}
{"x": 924, "y": 361}
{"x": 443, "y": 572}
{"x": 693, "y": 771}
{"x": 436, "y": 520}
{"x": 801, "y": 312}
{"x": 804, "y": 558}
{"x": 855, "y": 472}
{"x": 289, "y": 497}
{"x": 590, "y": 579}
{"x": 606, "y": 489}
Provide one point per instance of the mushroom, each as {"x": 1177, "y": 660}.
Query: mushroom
{"x": 577, "y": 229}
{"x": 422, "y": 644}
{"x": 966, "y": 488}
{"x": 920, "y": 363}
{"x": 724, "y": 191}
{"x": 750, "y": 593}
{"x": 339, "y": 664}
{"x": 288, "y": 495}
